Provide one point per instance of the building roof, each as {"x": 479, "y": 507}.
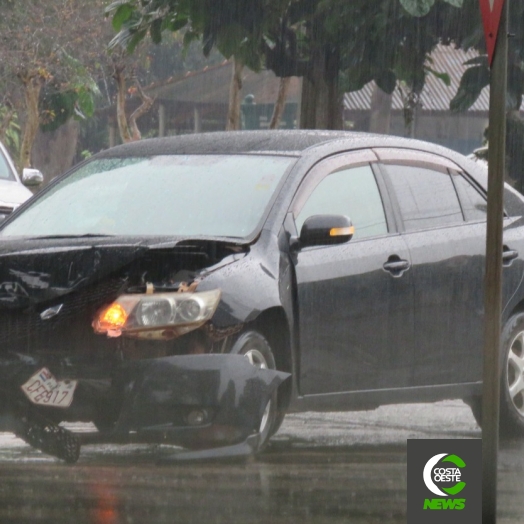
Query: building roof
{"x": 211, "y": 86}
{"x": 436, "y": 96}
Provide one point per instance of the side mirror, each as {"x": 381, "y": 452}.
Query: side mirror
{"x": 32, "y": 177}
{"x": 324, "y": 230}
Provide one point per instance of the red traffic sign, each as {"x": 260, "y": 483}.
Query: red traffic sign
{"x": 491, "y": 11}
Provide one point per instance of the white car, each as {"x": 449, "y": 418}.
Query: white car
{"x": 12, "y": 190}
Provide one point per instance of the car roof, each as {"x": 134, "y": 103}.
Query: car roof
{"x": 289, "y": 141}
{"x": 297, "y": 142}
{"x": 224, "y": 142}
{"x": 292, "y": 141}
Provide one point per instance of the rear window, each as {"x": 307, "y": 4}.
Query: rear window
{"x": 426, "y": 197}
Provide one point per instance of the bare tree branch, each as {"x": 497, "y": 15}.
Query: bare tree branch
{"x": 143, "y": 108}
{"x": 283, "y": 88}
{"x": 233, "y": 117}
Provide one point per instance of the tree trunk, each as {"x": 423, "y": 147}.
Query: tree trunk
{"x": 123, "y": 127}
{"x": 233, "y": 116}
{"x": 380, "y": 118}
{"x": 128, "y": 127}
{"x": 32, "y": 86}
{"x": 321, "y": 103}
{"x": 142, "y": 109}
{"x": 280, "y": 103}
{"x": 54, "y": 151}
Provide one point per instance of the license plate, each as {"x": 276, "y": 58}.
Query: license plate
{"x": 43, "y": 389}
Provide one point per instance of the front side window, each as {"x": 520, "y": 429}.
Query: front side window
{"x": 352, "y": 192}
{"x": 173, "y": 195}
{"x": 426, "y": 197}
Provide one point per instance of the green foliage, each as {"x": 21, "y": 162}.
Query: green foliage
{"x": 367, "y": 33}
{"x": 441, "y": 76}
{"x": 388, "y": 41}
{"x": 76, "y": 101}
{"x": 476, "y": 77}
{"x": 473, "y": 81}
{"x": 234, "y": 27}
{"x": 122, "y": 14}
{"x": 12, "y": 131}
{"x": 386, "y": 44}
{"x": 423, "y": 7}
{"x": 417, "y": 7}
{"x": 387, "y": 81}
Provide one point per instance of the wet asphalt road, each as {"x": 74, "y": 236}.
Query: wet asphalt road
{"x": 320, "y": 468}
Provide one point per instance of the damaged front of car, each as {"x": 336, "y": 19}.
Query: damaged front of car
{"x": 144, "y": 335}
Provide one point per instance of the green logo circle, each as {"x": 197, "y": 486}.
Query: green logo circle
{"x": 432, "y": 474}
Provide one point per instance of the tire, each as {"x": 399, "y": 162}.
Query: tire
{"x": 255, "y": 347}
{"x": 512, "y": 377}
{"x": 511, "y": 412}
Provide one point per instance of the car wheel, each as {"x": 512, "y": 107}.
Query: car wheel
{"x": 255, "y": 347}
{"x": 512, "y": 376}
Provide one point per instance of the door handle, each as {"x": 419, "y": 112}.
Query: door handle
{"x": 508, "y": 255}
{"x": 396, "y": 266}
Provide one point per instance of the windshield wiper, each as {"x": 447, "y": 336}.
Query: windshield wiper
{"x": 85, "y": 235}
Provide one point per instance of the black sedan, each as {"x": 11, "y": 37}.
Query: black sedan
{"x": 165, "y": 290}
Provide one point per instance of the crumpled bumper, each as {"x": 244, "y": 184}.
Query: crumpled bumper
{"x": 194, "y": 401}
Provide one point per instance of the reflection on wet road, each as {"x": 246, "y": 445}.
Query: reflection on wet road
{"x": 320, "y": 468}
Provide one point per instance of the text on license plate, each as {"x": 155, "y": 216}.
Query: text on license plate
{"x": 43, "y": 389}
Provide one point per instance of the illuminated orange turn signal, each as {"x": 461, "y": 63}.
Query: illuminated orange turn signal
{"x": 340, "y": 231}
{"x": 112, "y": 318}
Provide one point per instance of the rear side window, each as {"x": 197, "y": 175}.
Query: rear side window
{"x": 352, "y": 192}
{"x": 426, "y": 196}
{"x": 474, "y": 204}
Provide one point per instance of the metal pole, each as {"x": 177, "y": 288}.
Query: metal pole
{"x": 493, "y": 277}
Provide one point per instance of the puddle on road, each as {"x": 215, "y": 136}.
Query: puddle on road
{"x": 320, "y": 468}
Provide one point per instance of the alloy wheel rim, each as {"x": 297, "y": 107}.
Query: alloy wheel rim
{"x": 256, "y": 358}
{"x": 515, "y": 373}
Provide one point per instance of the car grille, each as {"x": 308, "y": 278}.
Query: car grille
{"x": 25, "y": 330}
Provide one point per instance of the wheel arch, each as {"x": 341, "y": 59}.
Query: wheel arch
{"x": 273, "y": 324}
{"x": 518, "y": 308}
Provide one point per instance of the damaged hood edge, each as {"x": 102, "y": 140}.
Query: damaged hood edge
{"x": 35, "y": 270}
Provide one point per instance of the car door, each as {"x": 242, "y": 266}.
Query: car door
{"x": 446, "y": 239}
{"x": 355, "y": 301}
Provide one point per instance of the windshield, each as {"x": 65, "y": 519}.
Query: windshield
{"x": 175, "y": 195}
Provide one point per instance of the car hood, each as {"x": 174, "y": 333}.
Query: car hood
{"x": 34, "y": 271}
{"x": 13, "y": 192}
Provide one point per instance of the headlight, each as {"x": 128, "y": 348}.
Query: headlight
{"x": 157, "y": 312}
{"x": 136, "y": 314}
